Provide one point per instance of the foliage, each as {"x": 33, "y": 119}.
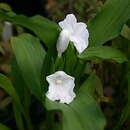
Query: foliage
{"x": 34, "y": 57}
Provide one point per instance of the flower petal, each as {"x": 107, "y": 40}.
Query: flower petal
{"x": 61, "y": 75}
{"x": 62, "y": 91}
{"x": 79, "y": 43}
{"x": 68, "y": 22}
{"x": 81, "y": 31}
{"x": 7, "y": 31}
{"x": 62, "y": 42}
{"x": 76, "y": 32}
{"x": 52, "y": 93}
{"x": 71, "y": 19}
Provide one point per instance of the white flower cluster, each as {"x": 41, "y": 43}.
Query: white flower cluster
{"x": 61, "y": 85}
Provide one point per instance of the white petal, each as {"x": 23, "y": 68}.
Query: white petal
{"x": 77, "y": 33}
{"x": 52, "y": 93}
{"x": 79, "y": 43}
{"x": 80, "y": 37}
{"x": 71, "y": 19}
{"x": 68, "y": 22}
{"x": 81, "y": 31}
{"x": 62, "y": 42}
{"x": 62, "y": 91}
{"x": 59, "y": 75}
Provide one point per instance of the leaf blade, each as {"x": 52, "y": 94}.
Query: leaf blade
{"x": 45, "y": 29}
{"x": 7, "y": 86}
{"x": 3, "y": 127}
{"x": 29, "y": 55}
{"x": 107, "y": 24}
{"x": 104, "y": 53}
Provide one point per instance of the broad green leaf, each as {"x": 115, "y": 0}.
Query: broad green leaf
{"x": 45, "y": 29}
{"x": 29, "y": 56}
{"x": 48, "y": 31}
{"x": 83, "y": 113}
{"x": 107, "y": 24}
{"x": 104, "y": 53}
{"x": 17, "y": 79}
{"x": 3, "y": 127}
{"x": 21, "y": 88}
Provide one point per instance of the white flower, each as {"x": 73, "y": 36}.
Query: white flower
{"x": 61, "y": 87}
{"x": 73, "y": 31}
{"x": 7, "y": 30}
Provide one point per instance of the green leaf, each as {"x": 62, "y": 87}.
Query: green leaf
{"x": 3, "y": 127}
{"x": 109, "y": 21}
{"x": 19, "y": 112}
{"x": 71, "y": 59}
{"x": 21, "y": 88}
{"x": 4, "y": 6}
{"x": 104, "y": 53}
{"x": 47, "y": 68}
{"x": 83, "y": 113}
{"x": 18, "y": 118}
{"x": 48, "y": 31}
{"x": 17, "y": 79}
{"x": 29, "y": 56}
{"x": 7, "y": 86}
{"x": 59, "y": 63}
{"x": 45, "y": 29}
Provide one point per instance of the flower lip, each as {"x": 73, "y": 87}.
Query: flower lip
{"x": 59, "y": 75}
{"x": 61, "y": 87}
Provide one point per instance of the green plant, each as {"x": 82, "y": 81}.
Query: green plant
{"x": 35, "y": 57}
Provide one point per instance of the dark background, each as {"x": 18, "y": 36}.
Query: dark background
{"x": 27, "y": 7}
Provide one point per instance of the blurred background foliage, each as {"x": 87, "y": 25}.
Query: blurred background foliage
{"x": 84, "y": 9}
{"x": 114, "y": 94}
